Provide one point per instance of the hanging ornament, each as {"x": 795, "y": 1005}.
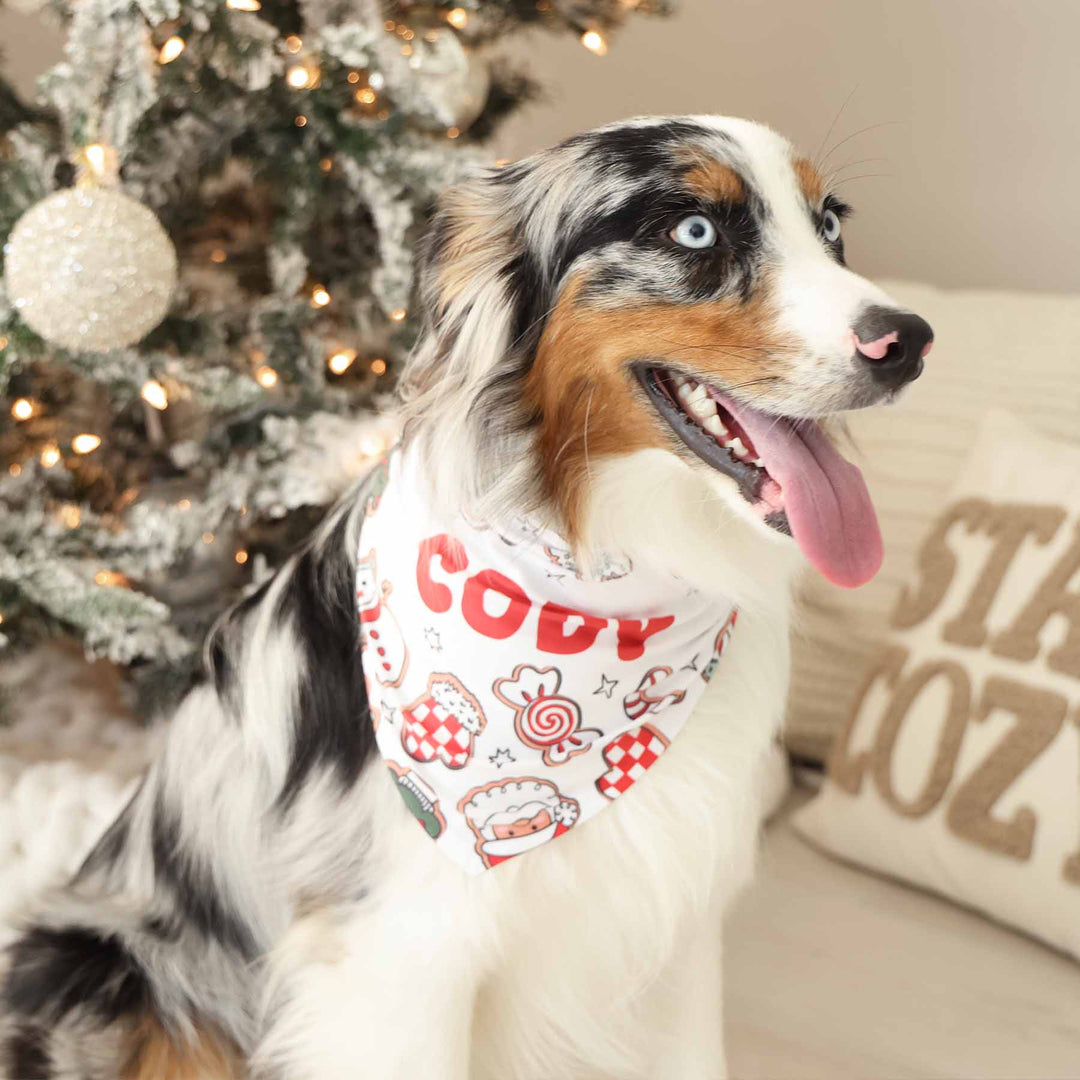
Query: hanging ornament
{"x": 449, "y": 82}
{"x": 89, "y": 267}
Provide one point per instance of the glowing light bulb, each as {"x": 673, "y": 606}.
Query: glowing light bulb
{"x": 398, "y": 314}
{"x": 22, "y": 409}
{"x": 50, "y": 455}
{"x": 70, "y": 515}
{"x": 153, "y": 393}
{"x": 241, "y": 556}
{"x": 244, "y": 5}
{"x": 218, "y": 255}
{"x": 298, "y": 77}
{"x": 1, "y": 618}
{"x": 266, "y": 377}
{"x": 96, "y": 156}
{"x": 353, "y": 77}
{"x": 326, "y": 164}
{"x": 207, "y": 537}
{"x": 15, "y": 469}
{"x": 85, "y": 443}
{"x": 458, "y": 18}
{"x": 594, "y": 42}
{"x": 171, "y": 50}
{"x": 378, "y": 366}
{"x": 293, "y": 43}
{"x": 366, "y": 96}
{"x": 184, "y": 504}
{"x": 453, "y": 132}
{"x": 319, "y": 296}
{"x": 301, "y": 121}
{"x": 341, "y": 361}
{"x": 371, "y": 445}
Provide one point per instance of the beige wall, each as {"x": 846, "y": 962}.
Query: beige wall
{"x": 972, "y": 104}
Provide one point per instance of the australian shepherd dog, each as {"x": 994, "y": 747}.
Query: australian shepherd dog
{"x": 636, "y": 339}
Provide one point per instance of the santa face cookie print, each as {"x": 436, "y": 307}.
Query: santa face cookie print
{"x": 514, "y": 816}
{"x": 382, "y": 644}
{"x": 442, "y": 724}
{"x": 544, "y": 719}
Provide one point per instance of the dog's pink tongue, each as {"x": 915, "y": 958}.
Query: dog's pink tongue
{"x": 829, "y": 509}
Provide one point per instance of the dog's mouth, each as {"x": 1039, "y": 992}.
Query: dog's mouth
{"x": 787, "y": 470}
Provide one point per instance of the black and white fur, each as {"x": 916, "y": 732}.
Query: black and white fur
{"x": 266, "y": 905}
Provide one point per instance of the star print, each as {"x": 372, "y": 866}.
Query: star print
{"x": 387, "y": 711}
{"x": 606, "y": 686}
{"x": 501, "y": 758}
{"x": 692, "y": 666}
{"x": 433, "y": 639}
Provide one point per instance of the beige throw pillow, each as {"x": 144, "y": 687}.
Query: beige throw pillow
{"x": 994, "y": 349}
{"x": 959, "y": 767}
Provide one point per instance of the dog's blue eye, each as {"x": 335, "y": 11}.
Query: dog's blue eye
{"x": 830, "y": 226}
{"x": 695, "y": 231}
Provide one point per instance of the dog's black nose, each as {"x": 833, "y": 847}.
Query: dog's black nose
{"x": 893, "y": 344}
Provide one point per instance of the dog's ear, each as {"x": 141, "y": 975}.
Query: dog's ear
{"x": 462, "y": 385}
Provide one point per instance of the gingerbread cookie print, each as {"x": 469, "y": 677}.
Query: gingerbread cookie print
{"x": 442, "y": 724}
{"x": 382, "y": 644}
{"x": 544, "y": 719}
{"x": 510, "y": 817}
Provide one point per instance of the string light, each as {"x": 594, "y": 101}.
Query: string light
{"x": 453, "y": 132}
{"x": 353, "y": 77}
{"x": 1, "y": 618}
{"x": 153, "y": 393}
{"x": 184, "y": 504}
{"x": 70, "y": 515}
{"x": 293, "y": 43}
{"x": 244, "y": 5}
{"x": 398, "y": 314}
{"x": 15, "y": 469}
{"x": 301, "y": 121}
{"x": 378, "y": 366}
{"x": 85, "y": 443}
{"x": 266, "y": 377}
{"x": 50, "y": 455}
{"x": 218, "y": 255}
{"x": 458, "y": 18}
{"x": 594, "y": 42}
{"x": 305, "y": 74}
{"x": 376, "y": 80}
{"x": 241, "y": 556}
{"x": 22, "y": 409}
{"x": 97, "y": 158}
{"x": 3, "y": 342}
{"x": 341, "y": 361}
{"x": 406, "y": 50}
{"x": 319, "y": 296}
{"x": 366, "y": 96}
{"x": 371, "y": 446}
{"x": 171, "y": 50}
{"x": 326, "y": 164}
{"x": 109, "y": 578}
{"x": 207, "y": 537}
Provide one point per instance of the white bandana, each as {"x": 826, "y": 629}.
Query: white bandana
{"x": 512, "y": 696}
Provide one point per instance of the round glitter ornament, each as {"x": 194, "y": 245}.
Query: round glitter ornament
{"x": 90, "y": 268}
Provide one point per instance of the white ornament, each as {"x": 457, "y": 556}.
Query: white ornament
{"x": 90, "y": 268}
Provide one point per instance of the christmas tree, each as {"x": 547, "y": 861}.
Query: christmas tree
{"x": 208, "y": 220}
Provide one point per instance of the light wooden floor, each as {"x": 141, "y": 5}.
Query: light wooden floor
{"x": 833, "y": 973}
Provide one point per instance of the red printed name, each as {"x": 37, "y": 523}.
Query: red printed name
{"x": 559, "y": 630}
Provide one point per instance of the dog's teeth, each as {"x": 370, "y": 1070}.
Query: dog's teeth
{"x": 736, "y": 447}
{"x": 714, "y": 425}
{"x": 702, "y": 410}
{"x": 698, "y": 392}
{"x": 759, "y": 462}
{"x": 683, "y": 391}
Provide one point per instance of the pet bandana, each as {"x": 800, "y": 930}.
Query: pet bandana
{"x": 513, "y": 694}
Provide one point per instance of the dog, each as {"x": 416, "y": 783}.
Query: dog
{"x": 631, "y": 343}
